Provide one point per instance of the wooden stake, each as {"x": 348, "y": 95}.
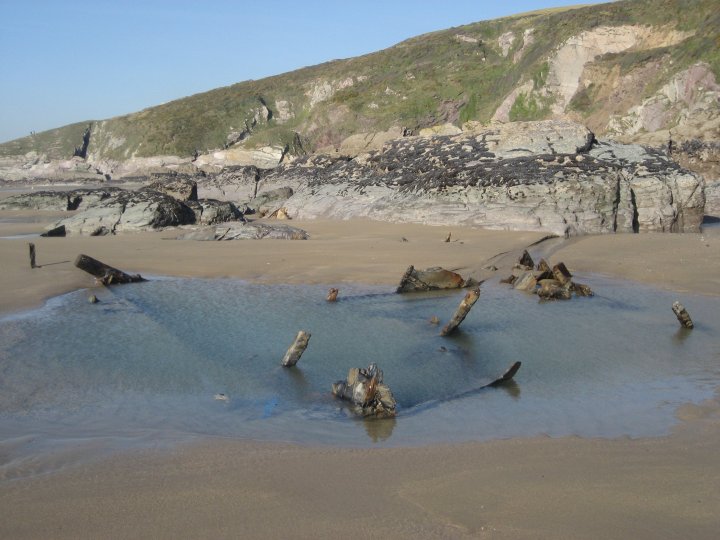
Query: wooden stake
{"x": 293, "y": 354}
{"x": 463, "y": 309}
{"x": 682, "y": 315}
{"x": 32, "y": 255}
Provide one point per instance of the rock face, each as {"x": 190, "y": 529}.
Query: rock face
{"x": 180, "y": 187}
{"x": 129, "y": 211}
{"x": 712, "y": 200}
{"x": 113, "y": 210}
{"x": 544, "y": 176}
{"x": 246, "y": 231}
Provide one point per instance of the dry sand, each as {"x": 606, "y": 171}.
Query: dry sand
{"x": 667, "y": 487}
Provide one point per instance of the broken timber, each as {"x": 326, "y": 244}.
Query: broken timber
{"x": 293, "y": 354}
{"x": 463, "y": 309}
{"x": 682, "y": 315}
{"x": 365, "y": 389}
{"x": 31, "y": 246}
{"x": 107, "y": 275}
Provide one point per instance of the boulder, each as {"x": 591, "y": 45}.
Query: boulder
{"x": 271, "y": 200}
{"x": 211, "y": 211}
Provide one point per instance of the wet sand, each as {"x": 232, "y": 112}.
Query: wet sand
{"x": 667, "y": 487}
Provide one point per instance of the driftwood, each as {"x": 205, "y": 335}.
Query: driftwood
{"x": 293, "y": 354}
{"x": 332, "y": 295}
{"x": 470, "y": 298}
{"x": 366, "y": 390}
{"x": 682, "y": 315}
{"x": 31, "y": 247}
{"x": 107, "y": 275}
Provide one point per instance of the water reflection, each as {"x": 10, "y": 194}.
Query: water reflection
{"x": 150, "y": 357}
{"x": 379, "y": 429}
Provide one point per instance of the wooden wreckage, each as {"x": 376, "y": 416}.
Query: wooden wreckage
{"x": 104, "y": 273}
{"x": 548, "y": 283}
{"x": 364, "y": 388}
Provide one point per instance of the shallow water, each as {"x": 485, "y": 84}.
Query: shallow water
{"x": 141, "y": 368}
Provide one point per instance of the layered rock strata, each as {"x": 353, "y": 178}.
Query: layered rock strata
{"x": 545, "y": 176}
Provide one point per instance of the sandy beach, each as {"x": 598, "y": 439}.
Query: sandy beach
{"x": 667, "y": 487}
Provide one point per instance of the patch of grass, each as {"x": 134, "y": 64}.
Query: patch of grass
{"x": 528, "y": 107}
{"x": 539, "y": 76}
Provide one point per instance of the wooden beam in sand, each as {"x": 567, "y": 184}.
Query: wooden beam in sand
{"x": 682, "y": 315}
{"x": 293, "y": 354}
{"x": 463, "y": 309}
{"x": 31, "y": 247}
{"x": 105, "y": 274}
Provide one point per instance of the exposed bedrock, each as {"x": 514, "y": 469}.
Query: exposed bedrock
{"x": 546, "y": 176}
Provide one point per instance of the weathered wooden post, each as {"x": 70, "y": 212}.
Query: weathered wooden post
{"x": 105, "y": 274}
{"x": 32, "y": 255}
{"x": 293, "y": 354}
{"x": 682, "y": 315}
{"x": 463, "y": 309}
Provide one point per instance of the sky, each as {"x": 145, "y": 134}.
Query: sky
{"x": 66, "y": 61}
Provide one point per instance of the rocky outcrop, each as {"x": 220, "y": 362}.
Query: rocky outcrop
{"x": 129, "y": 211}
{"x": 557, "y": 83}
{"x": 712, "y": 199}
{"x": 234, "y": 183}
{"x": 113, "y": 210}
{"x": 180, "y": 187}
{"x": 545, "y": 176}
{"x": 211, "y": 211}
{"x": 33, "y": 168}
{"x": 265, "y": 157}
{"x": 245, "y": 231}
{"x": 689, "y": 105}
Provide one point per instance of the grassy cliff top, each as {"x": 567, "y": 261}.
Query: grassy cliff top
{"x": 453, "y": 75}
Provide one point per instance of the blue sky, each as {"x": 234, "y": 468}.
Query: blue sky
{"x": 67, "y": 61}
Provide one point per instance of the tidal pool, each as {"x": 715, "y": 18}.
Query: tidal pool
{"x": 141, "y": 367}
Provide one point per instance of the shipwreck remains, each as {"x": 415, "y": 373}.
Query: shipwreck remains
{"x": 463, "y": 309}
{"x": 293, "y": 354}
{"x": 432, "y": 279}
{"x": 365, "y": 389}
{"x": 682, "y": 315}
{"x": 548, "y": 283}
{"x": 105, "y": 274}
{"x": 332, "y": 295}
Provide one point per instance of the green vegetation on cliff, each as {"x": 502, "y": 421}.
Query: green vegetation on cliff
{"x": 454, "y": 75}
